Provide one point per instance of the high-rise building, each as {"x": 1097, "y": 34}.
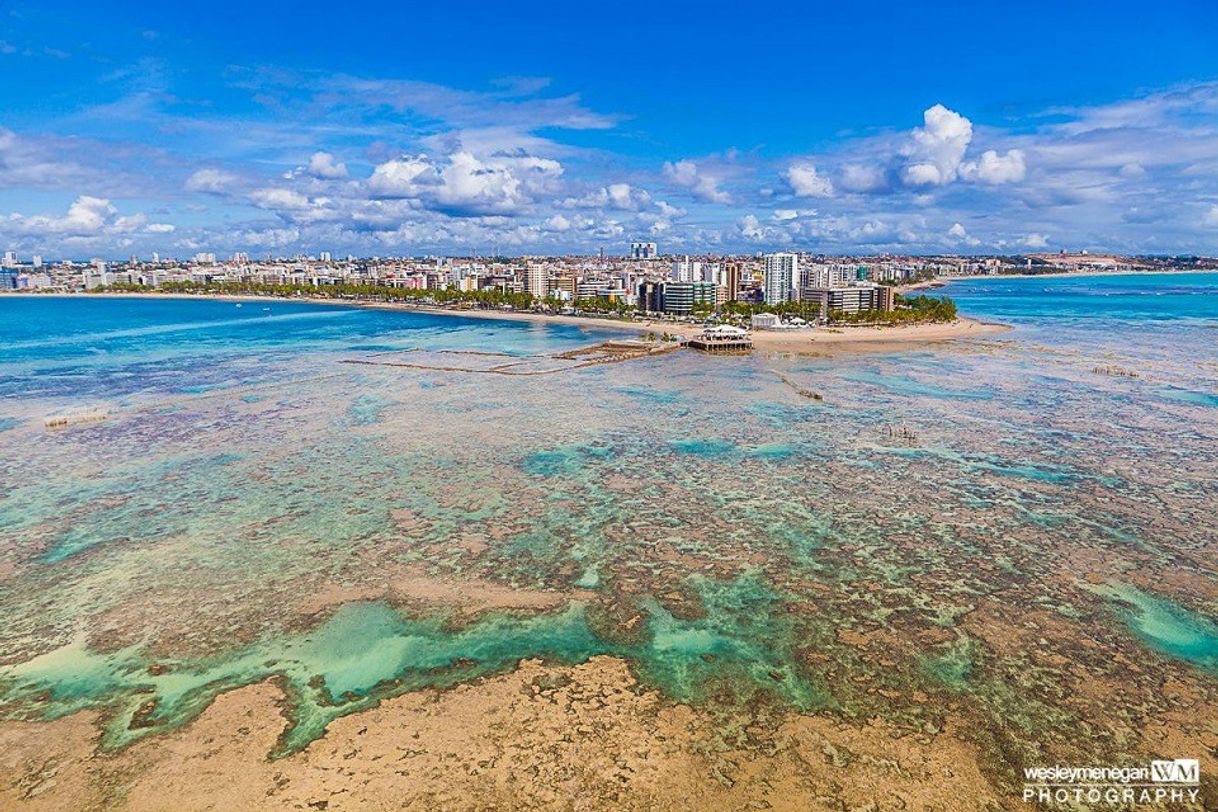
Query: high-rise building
{"x": 536, "y": 281}
{"x": 643, "y": 250}
{"x": 732, "y": 272}
{"x": 10, "y": 259}
{"x": 325, "y": 256}
{"x": 685, "y": 271}
{"x": 781, "y": 275}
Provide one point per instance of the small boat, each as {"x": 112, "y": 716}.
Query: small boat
{"x": 238, "y": 304}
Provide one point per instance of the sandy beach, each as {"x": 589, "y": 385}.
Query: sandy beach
{"x": 850, "y": 339}
{"x": 839, "y": 339}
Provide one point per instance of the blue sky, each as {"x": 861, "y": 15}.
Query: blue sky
{"x": 377, "y": 128}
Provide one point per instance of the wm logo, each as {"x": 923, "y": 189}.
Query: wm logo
{"x": 1179, "y": 771}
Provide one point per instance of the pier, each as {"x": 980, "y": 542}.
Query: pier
{"x": 721, "y": 340}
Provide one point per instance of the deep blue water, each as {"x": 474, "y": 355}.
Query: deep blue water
{"x": 1117, "y": 298}
{"x": 80, "y": 347}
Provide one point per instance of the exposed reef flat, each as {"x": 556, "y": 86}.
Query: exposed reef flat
{"x": 681, "y": 577}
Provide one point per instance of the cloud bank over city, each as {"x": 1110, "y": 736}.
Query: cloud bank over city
{"x": 272, "y": 159}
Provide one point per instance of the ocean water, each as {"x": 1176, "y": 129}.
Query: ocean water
{"x": 76, "y": 346}
{"x": 959, "y": 528}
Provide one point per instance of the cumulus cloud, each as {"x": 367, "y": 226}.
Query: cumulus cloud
{"x": 750, "y": 228}
{"x": 322, "y": 165}
{"x": 995, "y": 169}
{"x": 959, "y": 234}
{"x": 687, "y": 174}
{"x": 401, "y": 177}
{"x": 86, "y": 216}
{"x": 496, "y": 185}
{"x": 213, "y": 181}
{"x": 619, "y": 196}
{"x": 670, "y": 212}
{"x": 1139, "y": 175}
{"x": 936, "y": 149}
{"x": 279, "y": 199}
{"x": 88, "y": 219}
{"x": 466, "y": 183}
{"x": 1036, "y": 241}
{"x": 806, "y": 182}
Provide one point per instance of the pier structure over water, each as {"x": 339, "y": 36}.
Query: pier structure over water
{"x": 722, "y": 339}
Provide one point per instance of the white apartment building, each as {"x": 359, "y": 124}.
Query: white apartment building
{"x": 781, "y": 276}
{"x": 685, "y": 271}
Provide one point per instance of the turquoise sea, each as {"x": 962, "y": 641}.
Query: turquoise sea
{"x": 1003, "y": 524}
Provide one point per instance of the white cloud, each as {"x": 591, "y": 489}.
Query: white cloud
{"x": 1211, "y": 218}
{"x": 861, "y": 178}
{"x": 497, "y": 185}
{"x": 279, "y": 199}
{"x": 625, "y": 198}
{"x": 557, "y": 223}
{"x": 806, "y": 182}
{"x": 161, "y": 228}
{"x": 670, "y": 212}
{"x": 995, "y": 169}
{"x": 618, "y": 196}
{"x": 936, "y": 149}
{"x": 1036, "y": 241}
{"x": 322, "y": 165}
{"x": 87, "y": 214}
{"x": 214, "y": 181}
{"x": 959, "y": 235}
{"x": 467, "y": 184}
{"x": 401, "y": 177}
{"x": 88, "y": 219}
{"x": 687, "y": 174}
{"x": 750, "y": 228}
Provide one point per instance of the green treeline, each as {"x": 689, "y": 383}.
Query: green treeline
{"x": 909, "y": 310}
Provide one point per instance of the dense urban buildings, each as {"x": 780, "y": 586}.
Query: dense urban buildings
{"x": 679, "y": 286}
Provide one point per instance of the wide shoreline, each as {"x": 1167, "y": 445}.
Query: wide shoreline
{"x": 873, "y": 339}
{"x": 842, "y": 339}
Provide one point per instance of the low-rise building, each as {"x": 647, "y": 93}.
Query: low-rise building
{"x": 849, "y": 298}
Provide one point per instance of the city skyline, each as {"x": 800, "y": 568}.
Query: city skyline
{"x": 135, "y": 130}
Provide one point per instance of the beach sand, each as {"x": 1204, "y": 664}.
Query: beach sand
{"x": 837, "y": 339}
{"x": 875, "y": 339}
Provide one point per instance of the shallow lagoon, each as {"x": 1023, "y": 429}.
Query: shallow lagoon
{"x": 254, "y": 507}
